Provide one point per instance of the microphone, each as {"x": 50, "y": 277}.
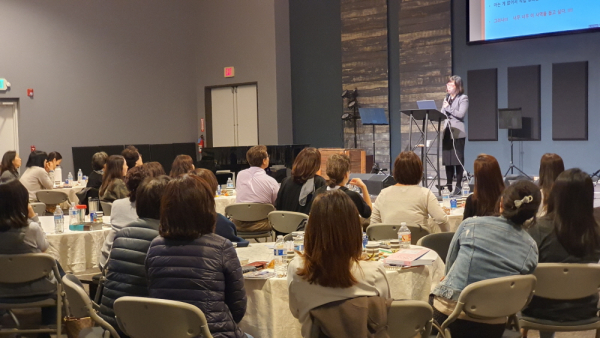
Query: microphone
{"x": 447, "y": 96}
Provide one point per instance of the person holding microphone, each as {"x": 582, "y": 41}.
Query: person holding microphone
{"x": 455, "y": 107}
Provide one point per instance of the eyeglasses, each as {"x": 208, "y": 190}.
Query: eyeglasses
{"x": 450, "y": 84}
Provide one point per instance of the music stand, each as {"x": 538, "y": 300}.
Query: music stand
{"x": 511, "y": 119}
{"x": 428, "y": 117}
{"x": 373, "y": 117}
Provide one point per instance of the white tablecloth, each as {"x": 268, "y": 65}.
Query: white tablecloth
{"x": 222, "y": 201}
{"x": 268, "y": 313}
{"x": 76, "y": 251}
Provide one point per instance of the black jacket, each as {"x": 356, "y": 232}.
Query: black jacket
{"x": 363, "y": 209}
{"x": 126, "y": 273}
{"x": 551, "y": 251}
{"x": 226, "y": 229}
{"x": 289, "y": 194}
{"x": 206, "y": 273}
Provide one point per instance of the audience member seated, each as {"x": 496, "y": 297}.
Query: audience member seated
{"x": 36, "y": 176}
{"x": 406, "y": 201}
{"x": 98, "y": 164}
{"x": 21, "y": 233}
{"x": 224, "y": 227}
{"x": 11, "y": 162}
{"x": 55, "y": 157}
{"x": 154, "y": 169}
{"x": 485, "y": 248}
{"x": 188, "y": 262}
{"x": 551, "y": 165}
{"x": 126, "y": 274}
{"x": 132, "y": 157}
{"x": 331, "y": 268}
{"x": 113, "y": 187}
{"x": 297, "y": 191}
{"x": 568, "y": 233}
{"x": 338, "y": 171}
{"x": 253, "y": 185}
{"x": 489, "y": 186}
{"x": 182, "y": 164}
{"x": 123, "y": 211}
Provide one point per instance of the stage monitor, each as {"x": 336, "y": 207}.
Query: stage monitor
{"x": 493, "y": 20}
{"x": 510, "y": 118}
{"x": 373, "y": 116}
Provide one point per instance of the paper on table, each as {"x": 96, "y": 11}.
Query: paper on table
{"x": 412, "y": 257}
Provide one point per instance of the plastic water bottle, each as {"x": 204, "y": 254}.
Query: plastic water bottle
{"x": 79, "y": 176}
{"x": 280, "y": 257}
{"x": 446, "y": 197}
{"x": 229, "y": 183}
{"x": 70, "y": 178}
{"x": 365, "y": 240}
{"x": 59, "y": 220}
{"x": 219, "y": 190}
{"x": 466, "y": 189}
{"x": 72, "y": 215}
{"x": 404, "y": 236}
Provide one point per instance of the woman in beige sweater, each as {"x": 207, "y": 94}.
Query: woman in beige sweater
{"x": 407, "y": 201}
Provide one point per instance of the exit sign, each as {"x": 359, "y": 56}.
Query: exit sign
{"x": 3, "y": 84}
{"x": 229, "y": 72}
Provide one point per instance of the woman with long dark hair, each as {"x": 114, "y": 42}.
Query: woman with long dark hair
{"x": 113, "y": 185}
{"x": 297, "y": 191}
{"x": 551, "y": 165}
{"x": 568, "y": 233}
{"x": 182, "y": 164}
{"x": 489, "y": 186}
{"x": 331, "y": 268}
{"x": 9, "y": 167}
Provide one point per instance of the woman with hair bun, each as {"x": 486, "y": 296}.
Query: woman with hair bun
{"x": 485, "y": 248}
{"x": 338, "y": 171}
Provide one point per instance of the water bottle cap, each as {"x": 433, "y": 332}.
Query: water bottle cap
{"x": 403, "y": 223}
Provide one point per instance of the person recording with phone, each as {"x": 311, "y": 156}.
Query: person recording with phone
{"x": 455, "y": 107}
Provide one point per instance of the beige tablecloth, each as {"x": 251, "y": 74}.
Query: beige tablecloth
{"x": 268, "y": 313}
{"x": 76, "y": 251}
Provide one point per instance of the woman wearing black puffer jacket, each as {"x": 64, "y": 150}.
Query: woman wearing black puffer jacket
{"x": 189, "y": 263}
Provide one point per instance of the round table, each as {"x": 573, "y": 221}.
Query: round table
{"x": 268, "y": 313}
{"x": 222, "y": 201}
{"x": 76, "y": 251}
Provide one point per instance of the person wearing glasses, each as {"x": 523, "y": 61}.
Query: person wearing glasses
{"x": 455, "y": 107}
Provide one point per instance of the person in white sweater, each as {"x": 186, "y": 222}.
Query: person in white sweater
{"x": 408, "y": 202}
{"x": 331, "y": 268}
{"x": 36, "y": 176}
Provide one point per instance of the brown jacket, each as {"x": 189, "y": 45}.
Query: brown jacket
{"x": 355, "y": 317}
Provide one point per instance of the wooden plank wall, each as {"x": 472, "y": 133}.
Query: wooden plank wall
{"x": 365, "y": 67}
{"x": 425, "y": 55}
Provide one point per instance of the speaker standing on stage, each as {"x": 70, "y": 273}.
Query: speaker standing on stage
{"x": 455, "y": 107}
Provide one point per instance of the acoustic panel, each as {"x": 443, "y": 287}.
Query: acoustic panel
{"x": 483, "y": 105}
{"x": 524, "y": 93}
{"x": 570, "y": 101}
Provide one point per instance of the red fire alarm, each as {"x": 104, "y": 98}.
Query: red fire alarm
{"x": 30, "y": 92}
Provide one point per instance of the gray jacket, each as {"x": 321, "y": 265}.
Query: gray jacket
{"x": 29, "y": 239}
{"x": 456, "y": 113}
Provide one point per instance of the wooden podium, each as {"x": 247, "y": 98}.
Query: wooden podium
{"x": 358, "y": 159}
